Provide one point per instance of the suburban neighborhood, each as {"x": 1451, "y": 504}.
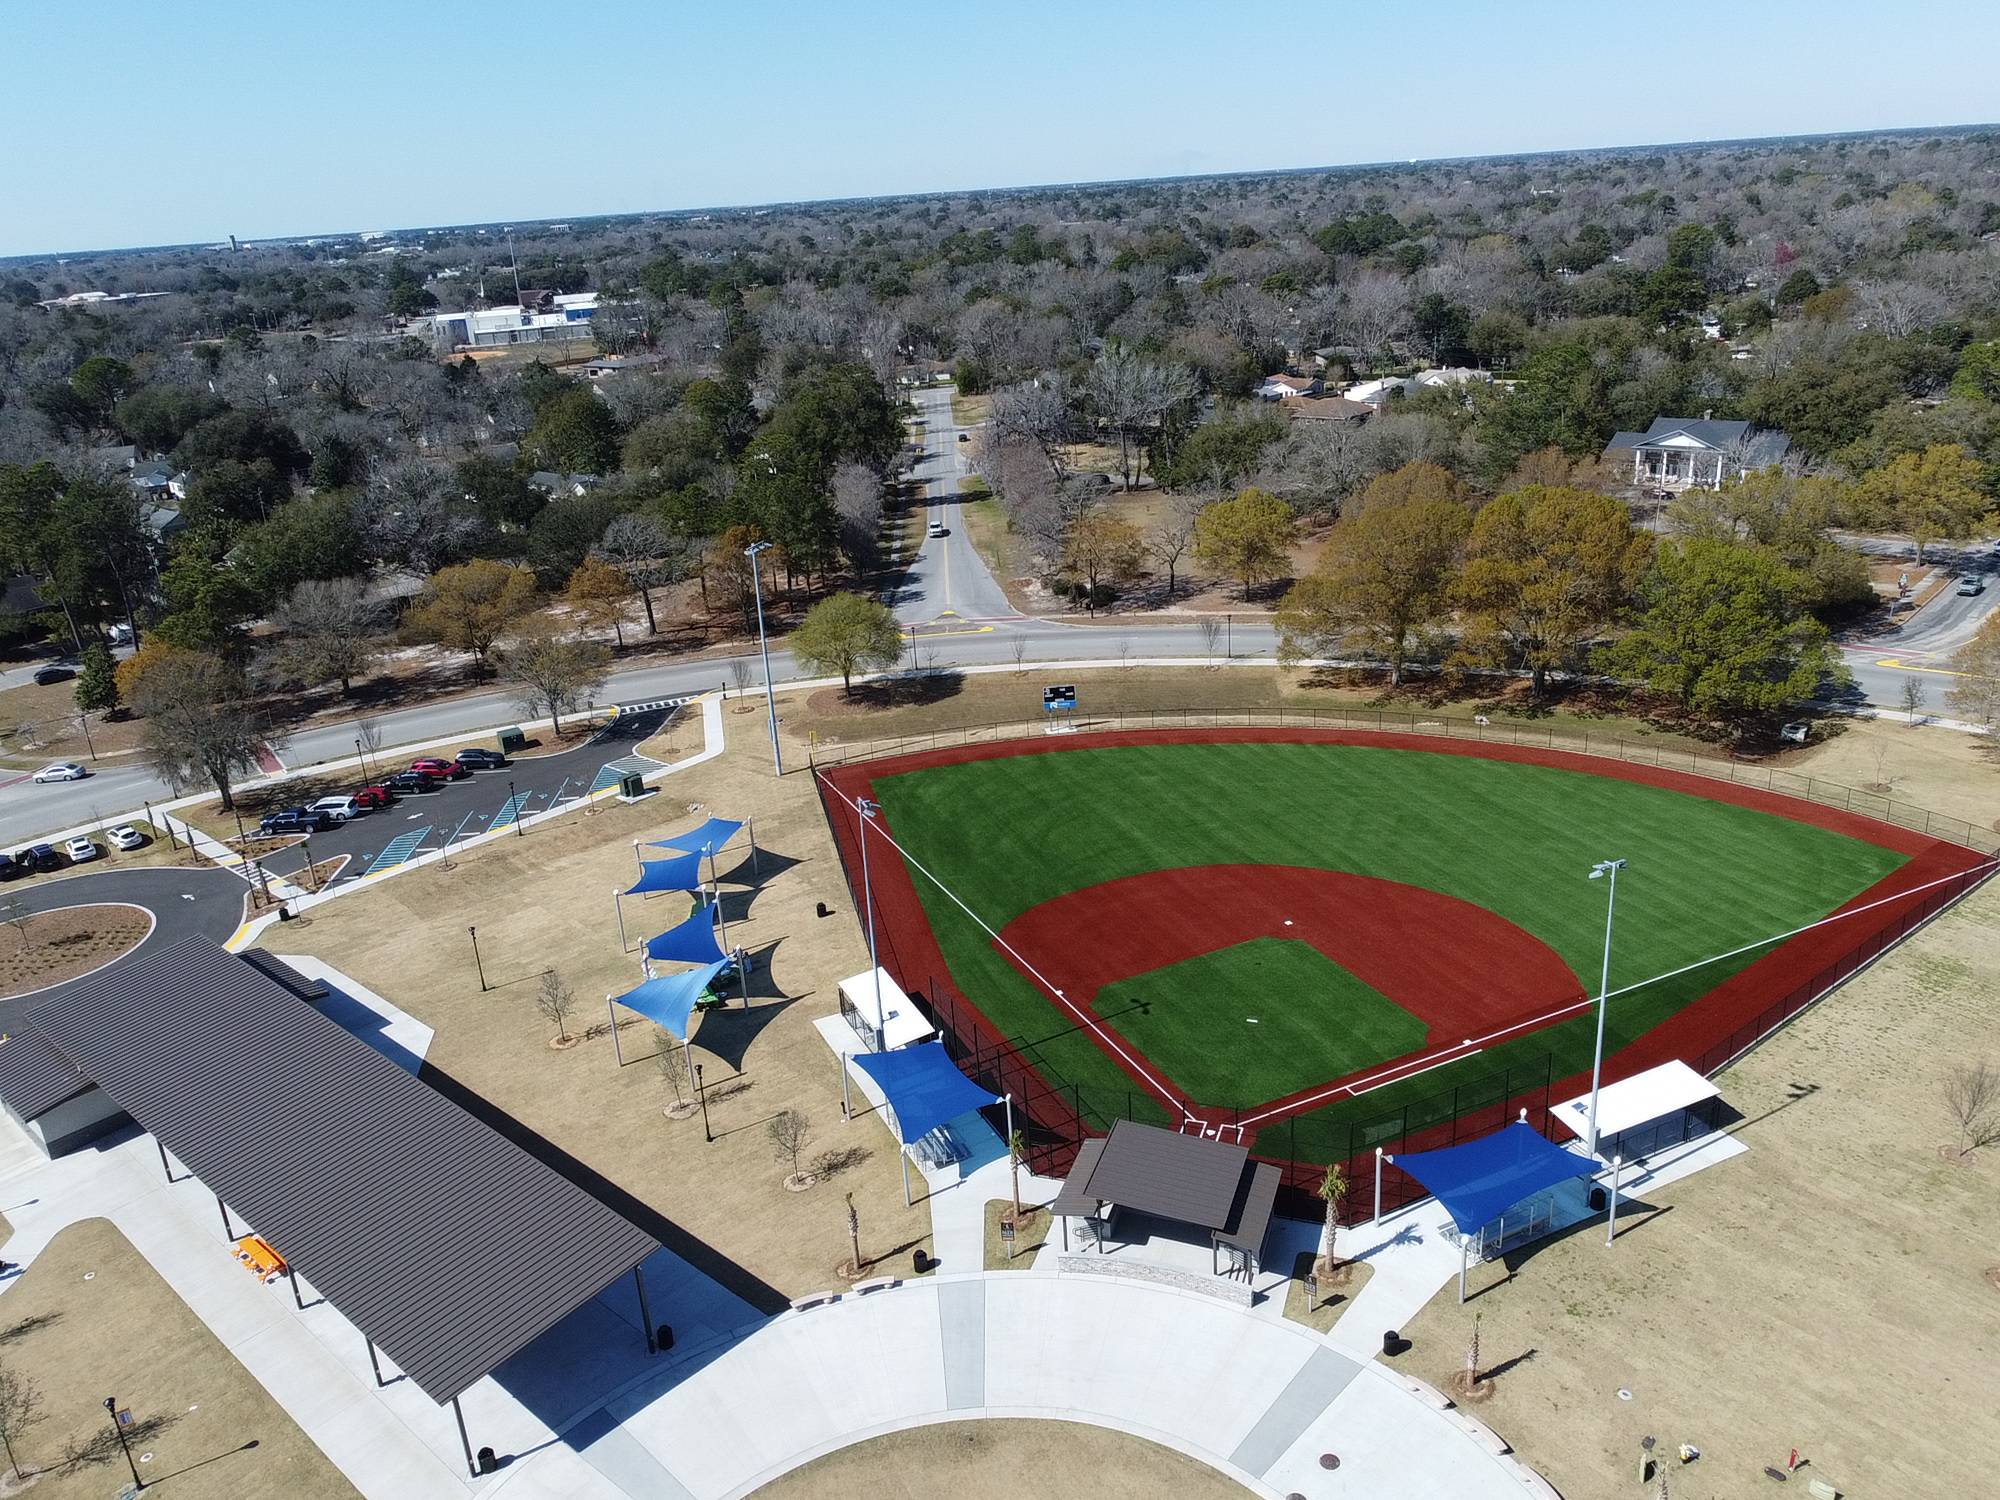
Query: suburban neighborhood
{"x": 1173, "y": 827}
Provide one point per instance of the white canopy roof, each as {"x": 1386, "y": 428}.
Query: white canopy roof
{"x": 1635, "y": 1100}
{"x": 900, "y": 1022}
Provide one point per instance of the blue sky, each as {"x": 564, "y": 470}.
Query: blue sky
{"x": 139, "y": 122}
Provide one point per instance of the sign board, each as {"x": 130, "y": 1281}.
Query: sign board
{"x": 125, "y": 1417}
{"x": 1058, "y": 699}
{"x": 1006, "y": 1230}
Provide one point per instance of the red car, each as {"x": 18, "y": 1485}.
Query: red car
{"x": 373, "y": 796}
{"x": 445, "y": 770}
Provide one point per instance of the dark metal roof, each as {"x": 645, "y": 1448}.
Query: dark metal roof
{"x": 34, "y": 1077}
{"x": 274, "y": 967}
{"x": 1250, "y": 1213}
{"x": 1074, "y": 1201}
{"x": 436, "y": 1236}
{"x": 1161, "y": 1172}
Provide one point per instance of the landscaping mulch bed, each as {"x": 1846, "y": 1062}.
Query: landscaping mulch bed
{"x": 47, "y": 948}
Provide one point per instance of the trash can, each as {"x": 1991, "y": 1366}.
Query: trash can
{"x": 664, "y": 1339}
{"x": 489, "y": 1461}
{"x": 1392, "y": 1341}
{"x": 511, "y": 740}
{"x": 1597, "y": 1200}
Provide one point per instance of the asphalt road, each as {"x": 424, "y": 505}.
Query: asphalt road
{"x": 185, "y": 903}
{"x": 948, "y": 587}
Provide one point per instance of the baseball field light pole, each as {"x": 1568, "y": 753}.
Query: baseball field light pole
{"x": 868, "y": 809}
{"x": 1606, "y": 870}
{"x": 764, "y": 647}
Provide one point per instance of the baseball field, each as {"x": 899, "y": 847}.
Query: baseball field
{"x": 1295, "y": 935}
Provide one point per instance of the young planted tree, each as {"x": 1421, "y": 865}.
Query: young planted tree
{"x": 1971, "y": 1094}
{"x": 790, "y": 1132}
{"x": 670, "y": 1058}
{"x": 854, "y": 1235}
{"x": 1914, "y": 694}
{"x": 846, "y": 633}
{"x": 1017, "y": 1149}
{"x": 556, "y": 1001}
{"x": 20, "y": 1409}
{"x": 555, "y": 669}
{"x": 469, "y": 607}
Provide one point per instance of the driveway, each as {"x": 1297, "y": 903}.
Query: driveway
{"x": 948, "y": 581}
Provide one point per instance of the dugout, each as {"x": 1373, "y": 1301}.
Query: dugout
{"x": 1647, "y": 1113}
{"x": 888, "y": 1023}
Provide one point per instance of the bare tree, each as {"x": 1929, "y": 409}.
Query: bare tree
{"x": 411, "y": 515}
{"x": 199, "y": 725}
{"x": 739, "y": 674}
{"x": 20, "y": 1409}
{"x": 854, "y": 1233}
{"x": 1020, "y": 651}
{"x": 1132, "y": 396}
{"x": 670, "y": 1059}
{"x": 1036, "y": 413}
{"x": 857, "y": 500}
{"x": 557, "y": 1002}
{"x": 790, "y": 1132}
{"x": 1914, "y": 694}
{"x": 1171, "y": 537}
{"x": 1971, "y": 1094}
{"x": 1374, "y": 310}
{"x": 1211, "y": 632}
{"x": 332, "y": 631}
{"x": 14, "y": 912}
{"x": 556, "y": 669}
{"x": 648, "y": 554}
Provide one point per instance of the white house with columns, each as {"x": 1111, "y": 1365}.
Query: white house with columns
{"x": 1679, "y": 453}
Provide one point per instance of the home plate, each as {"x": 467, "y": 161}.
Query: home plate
{"x": 1250, "y": 1020}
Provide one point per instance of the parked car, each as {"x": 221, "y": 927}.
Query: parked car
{"x": 8, "y": 869}
{"x": 39, "y": 857}
{"x": 125, "y": 836}
{"x": 340, "y": 809}
{"x": 430, "y": 765}
{"x": 121, "y": 635}
{"x": 373, "y": 796}
{"x": 46, "y": 675}
{"x": 62, "y": 770}
{"x": 477, "y": 759}
{"x": 1796, "y": 733}
{"x": 81, "y": 851}
{"x": 295, "y": 820}
{"x": 1971, "y": 584}
{"x": 412, "y": 781}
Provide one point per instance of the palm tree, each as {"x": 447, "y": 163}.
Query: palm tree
{"x": 1333, "y": 1189}
{"x": 1017, "y": 1147}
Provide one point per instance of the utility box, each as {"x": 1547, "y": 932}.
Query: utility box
{"x": 511, "y": 741}
{"x": 631, "y": 786}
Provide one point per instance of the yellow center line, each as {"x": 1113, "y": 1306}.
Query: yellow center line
{"x": 1904, "y": 666}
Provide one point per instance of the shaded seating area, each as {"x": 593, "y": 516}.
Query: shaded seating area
{"x": 1480, "y": 1181}
{"x": 923, "y": 1093}
{"x": 1647, "y": 1113}
{"x": 1209, "y": 1184}
{"x": 668, "y": 1002}
{"x": 443, "y": 1242}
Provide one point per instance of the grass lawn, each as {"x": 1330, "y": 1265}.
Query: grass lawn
{"x": 1332, "y": 1300}
{"x": 211, "y": 1431}
{"x": 1029, "y": 1236}
{"x": 1011, "y": 1459}
{"x": 1705, "y": 877}
{"x": 1259, "y": 1020}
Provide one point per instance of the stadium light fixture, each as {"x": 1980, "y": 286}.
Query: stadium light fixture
{"x": 1604, "y": 869}
{"x": 764, "y": 646}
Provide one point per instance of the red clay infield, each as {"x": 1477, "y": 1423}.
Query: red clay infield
{"x": 1460, "y": 969}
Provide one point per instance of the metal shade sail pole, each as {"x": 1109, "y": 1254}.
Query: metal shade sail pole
{"x": 618, "y": 905}
{"x": 1603, "y": 869}
{"x": 868, "y": 810}
{"x": 471, "y": 1464}
{"x": 611, "y": 1019}
{"x": 764, "y": 646}
{"x": 1611, "y": 1220}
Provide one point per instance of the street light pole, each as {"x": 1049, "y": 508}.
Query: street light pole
{"x": 111, "y": 1410}
{"x": 764, "y": 646}
{"x": 868, "y": 810}
{"x": 1602, "y": 870}
{"x": 473, "y": 933}
{"x": 513, "y": 798}
{"x": 702, "y": 1094}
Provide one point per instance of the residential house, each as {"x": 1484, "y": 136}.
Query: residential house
{"x": 1326, "y": 409}
{"x": 1450, "y": 376}
{"x": 557, "y": 486}
{"x": 153, "y": 481}
{"x": 1679, "y": 453}
{"x": 1283, "y": 387}
{"x": 120, "y": 459}
{"x": 1378, "y": 393}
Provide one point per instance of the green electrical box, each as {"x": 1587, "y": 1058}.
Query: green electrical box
{"x": 512, "y": 741}
{"x": 632, "y": 785}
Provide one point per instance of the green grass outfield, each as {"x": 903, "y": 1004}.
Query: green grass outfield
{"x": 1704, "y": 877}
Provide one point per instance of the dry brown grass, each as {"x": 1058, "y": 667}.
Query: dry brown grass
{"x": 212, "y": 1431}
{"x": 1029, "y": 1236}
{"x": 1334, "y": 1299}
{"x": 543, "y": 900}
{"x": 47, "y": 948}
{"x": 1004, "y": 1460}
{"x": 39, "y": 722}
{"x": 1826, "y": 1291}
{"x": 970, "y": 411}
{"x": 1939, "y": 769}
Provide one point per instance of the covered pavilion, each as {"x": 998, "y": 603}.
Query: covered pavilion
{"x": 1209, "y": 1184}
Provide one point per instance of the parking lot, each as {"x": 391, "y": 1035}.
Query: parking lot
{"x": 483, "y": 802}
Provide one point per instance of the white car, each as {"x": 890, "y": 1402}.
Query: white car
{"x": 81, "y": 850}
{"x": 340, "y": 809}
{"x": 125, "y": 836}
{"x": 62, "y": 770}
